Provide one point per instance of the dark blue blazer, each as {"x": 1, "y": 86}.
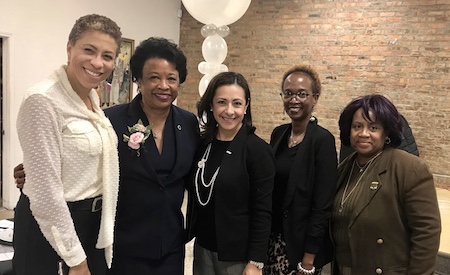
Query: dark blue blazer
{"x": 149, "y": 221}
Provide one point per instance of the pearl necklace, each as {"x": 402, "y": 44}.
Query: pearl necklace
{"x": 201, "y": 169}
{"x": 344, "y": 198}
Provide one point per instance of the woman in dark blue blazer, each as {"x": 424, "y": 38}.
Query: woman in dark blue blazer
{"x": 305, "y": 181}
{"x": 231, "y": 184}
{"x": 154, "y": 164}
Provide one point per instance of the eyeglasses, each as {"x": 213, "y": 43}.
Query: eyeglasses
{"x": 288, "y": 95}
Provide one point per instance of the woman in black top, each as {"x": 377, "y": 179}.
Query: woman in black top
{"x": 231, "y": 183}
{"x": 305, "y": 180}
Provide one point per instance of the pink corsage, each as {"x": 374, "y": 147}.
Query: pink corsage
{"x": 138, "y": 135}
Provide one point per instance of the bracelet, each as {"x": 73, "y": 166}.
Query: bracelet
{"x": 259, "y": 265}
{"x": 305, "y": 271}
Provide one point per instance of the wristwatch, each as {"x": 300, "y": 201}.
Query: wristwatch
{"x": 259, "y": 265}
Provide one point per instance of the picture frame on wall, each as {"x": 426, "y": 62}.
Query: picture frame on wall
{"x": 118, "y": 87}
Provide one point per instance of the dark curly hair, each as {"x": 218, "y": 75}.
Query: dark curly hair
{"x": 157, "y": 47}
{"x": 384, "y": 112}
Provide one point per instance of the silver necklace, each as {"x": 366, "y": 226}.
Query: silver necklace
{"x": 201, "y": 170}
{"x": 361, "y": 168}
{"x": 344, "y": 198}
{"x": 292, "y": 141}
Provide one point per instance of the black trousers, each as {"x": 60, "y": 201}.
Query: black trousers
{"x": 170, "y": 264}
{"x": 33, "y": 254}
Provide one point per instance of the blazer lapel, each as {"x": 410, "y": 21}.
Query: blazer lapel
{"x": 372, "y": 184}
{"x": 230, "y": 158}
{"x": 135, "y": 113}
{"x": 180, "y": 143}
{"x": 281, "y": 133}
{"x": 297, "y": 176}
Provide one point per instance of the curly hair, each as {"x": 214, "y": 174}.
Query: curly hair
{"x": 157, "y": 47}
{"x": 95, "y": 22}
{"x": 308, "y": 70}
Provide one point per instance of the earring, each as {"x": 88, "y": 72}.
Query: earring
{"x": 245, "y": 112}
{"x": 312, "y": 118}
{"x": 387, "y": 140}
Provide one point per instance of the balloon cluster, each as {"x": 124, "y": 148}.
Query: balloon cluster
{"x": 216, "y": 15}
{"x": 214, "y": 50}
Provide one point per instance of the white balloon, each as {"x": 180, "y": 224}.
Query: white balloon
{"x": 204, "y": 83}
{"x": 214, "y": 49}
{"x": 202, "y": 67}
{"x": 223, "y": 31}
{"x": 208, "y": 30}
{"x": 223, "y": 68}
{"x": 218, "y": 12}
{"x": 210, "y": 68}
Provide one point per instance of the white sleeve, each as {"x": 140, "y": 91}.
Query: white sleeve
{"x": 39, "y": 127}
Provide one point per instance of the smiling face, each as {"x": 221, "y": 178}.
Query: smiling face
{"x": 228, "y": 106}
{"x": 159, "y": 83}
{"x": 366, "y": 137}
{"x": 297, "y": 108}
{"x": 90, "y": 60}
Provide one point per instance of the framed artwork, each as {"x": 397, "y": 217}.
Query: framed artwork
{"x": 118, "y": 87}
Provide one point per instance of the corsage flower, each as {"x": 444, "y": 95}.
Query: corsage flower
{"x": 138, "y": 135}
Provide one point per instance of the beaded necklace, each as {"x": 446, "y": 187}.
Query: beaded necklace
{"x": 201, "y": 170}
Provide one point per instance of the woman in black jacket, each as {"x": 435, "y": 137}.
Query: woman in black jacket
{"x": 231, "y": 184}
{"x": 305, "y": 180}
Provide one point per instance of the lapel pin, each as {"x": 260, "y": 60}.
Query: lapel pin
{"x": 374, "y": 185}
{"x": 179, "y": 127}
{"x": 228, "y": 152}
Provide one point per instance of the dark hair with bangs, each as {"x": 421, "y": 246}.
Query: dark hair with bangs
{"x": 157, "y": 47}
{"x": 384, "y": 111}
{"x": 207, "y": 121}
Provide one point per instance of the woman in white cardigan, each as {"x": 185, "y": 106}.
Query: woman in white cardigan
{"x": 65, "y": 214}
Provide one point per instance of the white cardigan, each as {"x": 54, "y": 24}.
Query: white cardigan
{"x": 70, "y": 154}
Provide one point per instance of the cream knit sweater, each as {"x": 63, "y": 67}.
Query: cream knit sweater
{"x": 70, "y": 154}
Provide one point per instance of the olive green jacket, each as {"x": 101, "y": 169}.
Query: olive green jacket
{"x": 395, "y": 226}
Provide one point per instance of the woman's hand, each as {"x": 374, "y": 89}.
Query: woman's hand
{"x": 307, "y": 262}
{"x": 251, "y": 270}
{"x": 19, "y": 175}
{"x": 81, "y": 269}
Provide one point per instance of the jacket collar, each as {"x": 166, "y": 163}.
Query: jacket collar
{"x": 135, "y": 112}
{"x": 373, "y": 180}
{"x": 299, "y": 158}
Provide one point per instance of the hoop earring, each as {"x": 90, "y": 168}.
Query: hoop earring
{"x": 387, "y": 140}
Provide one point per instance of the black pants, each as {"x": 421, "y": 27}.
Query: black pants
{"x": 33, "y": 254}
{"x": 170, "y": 264}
